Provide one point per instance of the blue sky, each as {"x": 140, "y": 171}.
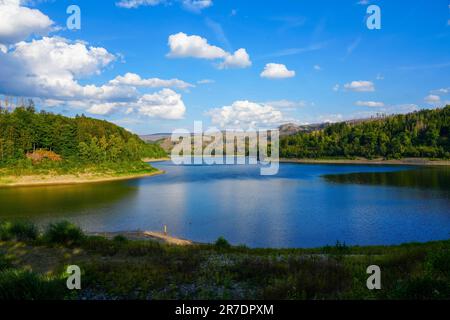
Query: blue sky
{"x": 322, "y": 62}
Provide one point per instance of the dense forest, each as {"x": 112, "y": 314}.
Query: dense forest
{"x": 418, "y": 134}
{"x": 27, "y": 135}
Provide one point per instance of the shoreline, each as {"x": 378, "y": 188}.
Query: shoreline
{"x": 405, "y": 161}
{"x": 150, "y": 160}
{"x": 70, "y": 179}
{"x": 146, "y": 235}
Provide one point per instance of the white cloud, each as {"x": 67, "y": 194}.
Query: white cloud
{"x": 432, "y": 99}
{"x": 50, "y": 67}
{"x": 191, "y": 5}
{"x": 245, "y": 114}
{"x": 165, "y": 104}
{"x": 317, "y": 67}
{"x": 276, "y": 71}
{"x": 360, "y": 86}
{"x": 288, "y": 104}
{"x": 240, "y": 59}
{"x": 184, "y": 46}
{"x": 205, "y": 81}
{"x": 197, "y": 5}
{"x": 18, "y": 23}
{"x": 441, "y": 91}
{"x": 373, "y": 104}
{"x": 336, "y": 87}
{"x": 330, "y": 118}
{"x": 192, "y": 46}
{"x": 103, "y": 108}
{"x": 132, "y": 79}
{"x": 132, "y": 4}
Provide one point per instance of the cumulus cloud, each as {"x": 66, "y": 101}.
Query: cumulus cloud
{"x": 432, "y": 99}
{"x": 50, "y": 67}
{"x": 18, "y": 23}
{"x": 373, "y": 104}
{"x": 360, "y": 86}
{"x": 276, "y": 71}
{"x": 239, "y": 59}
{"x": 165, "y": 104}
{"x": 244, "y": 114}
{"x": 133, "y": 79}
{"x": 184, "y": 46}
{"x": 192, "y": 46}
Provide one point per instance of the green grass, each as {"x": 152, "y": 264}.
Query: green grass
{"x": 26, "y": 168}
{"x": 137, "y": 269}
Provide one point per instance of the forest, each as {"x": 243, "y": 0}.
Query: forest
{"x": 30, "y": 136}
{"x": 418, "y": 134}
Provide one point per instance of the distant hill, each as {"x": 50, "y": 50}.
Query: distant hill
{"x": 418, "y": 134}
{"x": 155, "y": 137}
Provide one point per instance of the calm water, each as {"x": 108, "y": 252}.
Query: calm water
{"x": 302, "y": 206}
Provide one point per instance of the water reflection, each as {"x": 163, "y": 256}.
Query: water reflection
{"x": 302, "y": 206}
{"x": 423, "y": 178}
{"x": 58, "y": 201}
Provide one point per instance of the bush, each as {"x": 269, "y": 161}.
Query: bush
{"x": 222, "y": 243}
{"x": 21, "y": 231}
{"x": 64, "y": 233}
{"x": 438, "y": 263}
{"x": 422, "y": 288}
{"x": 4, "y": 263}
{"x": 26, "y": 285}
{"x": 120, "y": 239}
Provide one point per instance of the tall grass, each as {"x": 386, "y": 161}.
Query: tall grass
{"x": 64, "y": 233}
{"x": 18, "y": 230}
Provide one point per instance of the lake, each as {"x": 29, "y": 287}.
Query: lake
{"x": 304, "y": 205}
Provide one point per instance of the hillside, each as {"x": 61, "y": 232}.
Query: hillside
{"x": 43, "y": 143}
{"x": 418, "y": 134}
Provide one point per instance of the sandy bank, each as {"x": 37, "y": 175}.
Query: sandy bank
{"x": 145, "y": 235}
{"x": 44, "y": 180}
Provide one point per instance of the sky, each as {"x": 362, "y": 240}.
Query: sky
{"x": 159, "y": 65}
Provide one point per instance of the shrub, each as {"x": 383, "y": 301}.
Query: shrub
{"x": 422, "y": 288}
{"x": 120, "y": 239}
{"x": 438, "y": 263}
{"x": 64, "y": 233}
{"x": 19, "y": 230}
{"x": 222, "y": 243}
{"x": 5, "y": 231}
{"x": 4, "y": 263}
{"x": 26, "y": 285}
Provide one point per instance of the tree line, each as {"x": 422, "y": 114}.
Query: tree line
{"x": 418, "y": 134}
{"x": 79, "y": 139}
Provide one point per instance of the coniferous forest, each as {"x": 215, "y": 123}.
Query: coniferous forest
{"x": 29, "y": 138}
{"x": 418, "y": 134}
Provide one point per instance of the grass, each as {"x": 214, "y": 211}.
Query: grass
{"x": 136, "y": 269}
{"x": 11, "y": 174}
